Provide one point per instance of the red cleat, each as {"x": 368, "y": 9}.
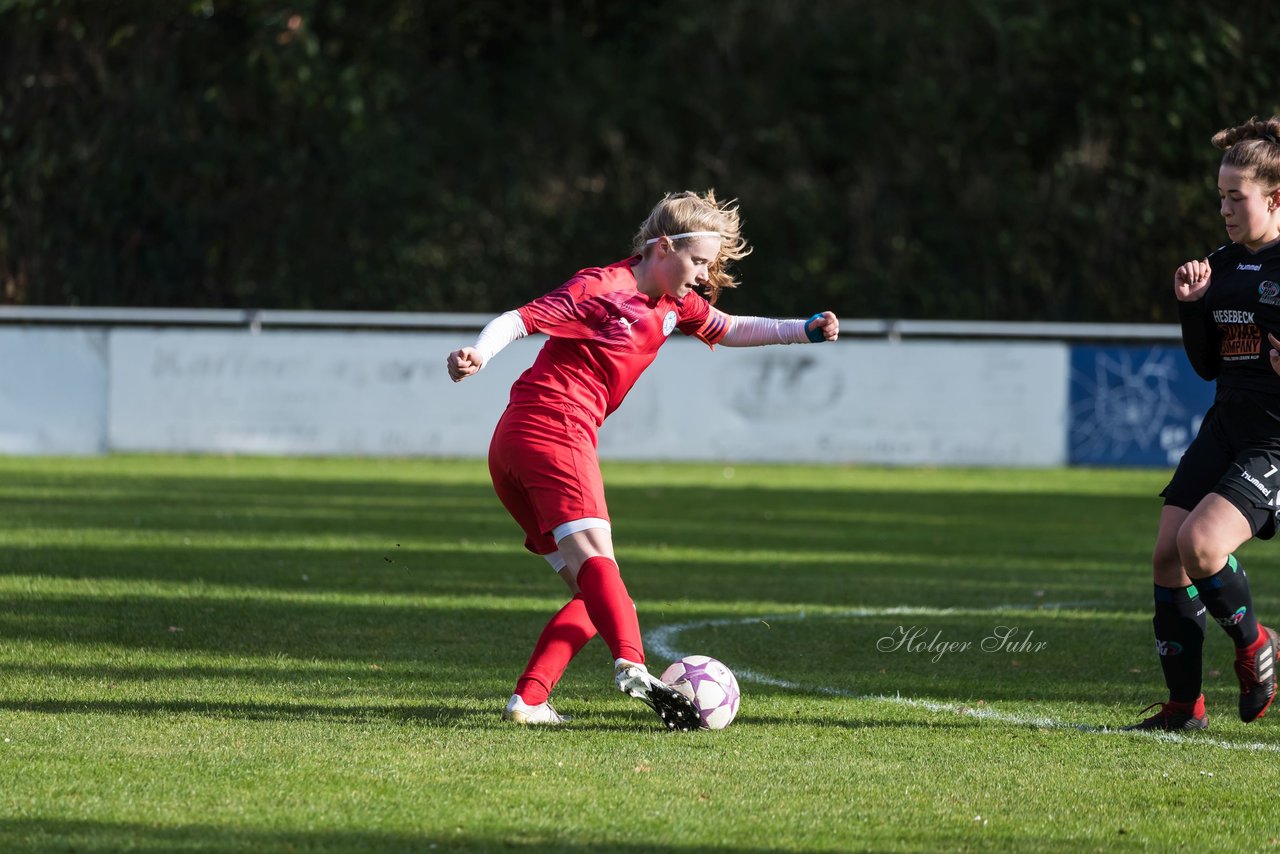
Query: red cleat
{"x": 1175, "y": 716}
{"x": 1256, "y": 670}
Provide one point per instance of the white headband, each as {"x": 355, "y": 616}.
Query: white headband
{"x": 685, "y": 234}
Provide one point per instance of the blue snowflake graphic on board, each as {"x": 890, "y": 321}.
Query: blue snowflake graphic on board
{"x": 1133, "y": 405}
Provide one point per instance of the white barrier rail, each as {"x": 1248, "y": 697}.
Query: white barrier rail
{"x": 252, "y": 319}
{"x": 84, "y": 381}
{"x": 259, "y": 319}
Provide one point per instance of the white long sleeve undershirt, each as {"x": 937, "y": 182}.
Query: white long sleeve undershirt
{"x": 744, "y": 331}
{"x": 758, "y": 331}
{"x": 498, "y": 333}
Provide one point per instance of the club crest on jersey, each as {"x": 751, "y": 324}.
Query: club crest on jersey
{"x": 668, "y": 323}
{"x": 1269, "y": 293}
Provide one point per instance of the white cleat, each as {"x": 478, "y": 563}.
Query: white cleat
{"x": 520, "y": 712}
{"x": 675, "y": 709}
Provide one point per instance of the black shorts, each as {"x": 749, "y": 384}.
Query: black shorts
{"x": 1236, "y": 455}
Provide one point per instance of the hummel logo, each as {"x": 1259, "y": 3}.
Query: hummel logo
{"x": 1256, "y": 482}
{"x": 1243, "y": 266}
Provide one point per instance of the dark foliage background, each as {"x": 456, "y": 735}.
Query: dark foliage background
{"x": 924, "y": 159}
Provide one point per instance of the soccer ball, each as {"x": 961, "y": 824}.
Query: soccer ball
{"x": 710, "y": 685}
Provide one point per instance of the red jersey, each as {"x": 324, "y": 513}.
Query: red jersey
{"x": 603, "y": 334}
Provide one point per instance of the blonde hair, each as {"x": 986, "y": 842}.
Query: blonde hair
{"x": 1253, "y": 148}
{"x": 679, "y": 213}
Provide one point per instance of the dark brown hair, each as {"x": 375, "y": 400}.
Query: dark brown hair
{"x": 1254, "y": 149}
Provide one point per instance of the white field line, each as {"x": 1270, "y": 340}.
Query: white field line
{"x": 663, "y": 639}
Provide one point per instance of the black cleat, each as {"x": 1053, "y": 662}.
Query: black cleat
{"x": 1257, "y": 674}
{"x": 675, "y": 709}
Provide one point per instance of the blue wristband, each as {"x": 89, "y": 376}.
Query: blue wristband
{"x": 814, "y": 333}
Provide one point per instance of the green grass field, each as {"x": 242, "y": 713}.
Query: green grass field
{"x": 202, "y": 654}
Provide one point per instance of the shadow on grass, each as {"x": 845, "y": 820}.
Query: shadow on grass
{"x": 841, "y": 547}
{"x": 89, "y": 837}
{"x": 298, "y": 630}
{"x": 425, "y": 537}
{"x": 283, "y": 711}
{"x": 53, "y": 835}
{"x": 635, "y": 720}
{"x": 447, "y": 647}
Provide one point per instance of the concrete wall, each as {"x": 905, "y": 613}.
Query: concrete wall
{"x": 78, "y": 390}
{"x": 53, "y": 391}
{"x": 86, "y": 390}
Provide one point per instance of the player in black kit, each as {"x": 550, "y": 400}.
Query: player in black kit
{"x": 1226, "y": 489}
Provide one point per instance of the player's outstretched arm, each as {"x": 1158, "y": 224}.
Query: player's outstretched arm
{"x": 759, "y": 331}
{"x": 498, "y": 333}
{"x": 1275, "y": 352}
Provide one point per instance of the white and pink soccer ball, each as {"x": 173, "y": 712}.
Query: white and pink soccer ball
{"x": 712, "y": 687}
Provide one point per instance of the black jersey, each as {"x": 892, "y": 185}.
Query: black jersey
{"x": 1225, "y": 332}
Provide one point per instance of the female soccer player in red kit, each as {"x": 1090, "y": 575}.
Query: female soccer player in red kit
{"x": 605, "y": 326}
{"x": 1226, "y": 490}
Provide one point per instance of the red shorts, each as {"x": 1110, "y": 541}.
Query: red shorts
{"x": 545, "y": 470}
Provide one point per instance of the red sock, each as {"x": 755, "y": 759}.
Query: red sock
{"x": 1251, "y": 649}
{"x": 565, "y": 634}
{"x": 1194, "y": 707}
{"x": 611, "y": 608}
